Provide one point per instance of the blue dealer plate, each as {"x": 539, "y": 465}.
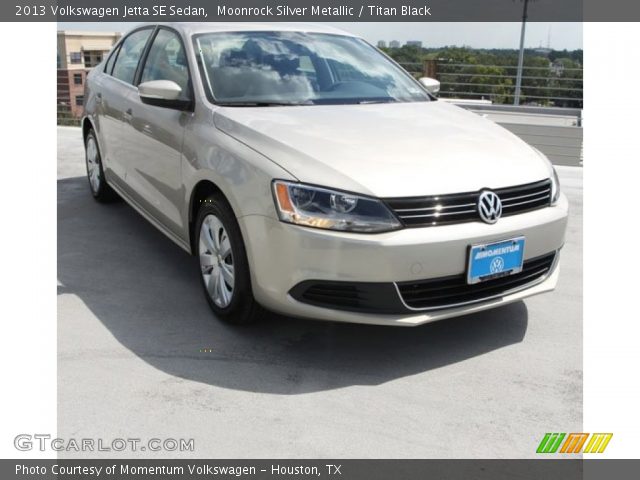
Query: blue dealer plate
{"x": 495, "y": 260}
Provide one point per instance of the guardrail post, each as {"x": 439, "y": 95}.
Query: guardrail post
{"x": 430, "y": 68}
{"x": 516, "y": 100}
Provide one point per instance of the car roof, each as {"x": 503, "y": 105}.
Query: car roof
{"x": 195, "y": 28}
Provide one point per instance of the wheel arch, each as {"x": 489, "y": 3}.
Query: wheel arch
{"x": 87, "y": 125}
{"x": 201, "y": 190}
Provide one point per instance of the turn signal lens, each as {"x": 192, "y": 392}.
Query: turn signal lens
{"x": 282, "y": 194}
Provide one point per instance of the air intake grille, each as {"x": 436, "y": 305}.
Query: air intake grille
{"x": 350, "y": 296}
{"x": 451, "y": 291}
{"x": 460, "y": 208}
{"x": 335, "y": 294}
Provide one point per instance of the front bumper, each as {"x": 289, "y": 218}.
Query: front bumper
{"x": 283, "y": 256}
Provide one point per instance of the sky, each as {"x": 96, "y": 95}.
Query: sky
{"x": 433, "y": 34}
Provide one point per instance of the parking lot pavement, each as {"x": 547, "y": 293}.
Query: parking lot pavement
{"x": 133, "y": 324}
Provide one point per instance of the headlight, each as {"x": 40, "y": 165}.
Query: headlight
{"x": 329, "y": 209}
{"x": 555, "y": 187}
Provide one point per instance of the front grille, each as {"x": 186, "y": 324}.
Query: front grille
{"x": 454, "y": 290}
{"x": 463, "y": 207}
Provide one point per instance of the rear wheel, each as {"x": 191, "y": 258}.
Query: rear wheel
{"x": 224, "y": 269}
{"x": 100, "y": 190}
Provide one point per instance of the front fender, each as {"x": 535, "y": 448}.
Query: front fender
{"x": 242, "y": 174}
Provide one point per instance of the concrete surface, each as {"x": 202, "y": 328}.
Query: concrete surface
{"x": 132, "y": 323}
{"x": 529, "y": 119}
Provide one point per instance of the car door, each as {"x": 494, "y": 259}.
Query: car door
{"x": 100, "y": 100}
{"x": 112, "y": 93}
{"x": 153, "y": 135}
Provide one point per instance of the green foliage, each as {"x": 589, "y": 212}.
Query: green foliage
{"x": 65, "y": 117}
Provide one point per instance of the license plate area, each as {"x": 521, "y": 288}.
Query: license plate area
{"x": 489, "y": 261}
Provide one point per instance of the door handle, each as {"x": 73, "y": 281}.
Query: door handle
{"x": 99, "y": 98}
{"x": 128, "y": 115}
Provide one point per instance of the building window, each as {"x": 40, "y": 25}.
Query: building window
{"x": 77, "y": 79}
{"x": 79, "y": 100}
{"x": 92, "y": 58}
{"x": 75, "y": 57}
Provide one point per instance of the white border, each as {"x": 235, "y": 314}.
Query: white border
{"x": 611, "y": 199}
{"x": 28, "y": 239}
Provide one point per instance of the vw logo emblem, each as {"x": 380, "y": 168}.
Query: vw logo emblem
{"x": 497, "y": 265}
{"x": 489, "y": 206}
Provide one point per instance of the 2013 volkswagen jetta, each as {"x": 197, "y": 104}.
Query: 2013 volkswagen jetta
{"x": 312, "y": 176}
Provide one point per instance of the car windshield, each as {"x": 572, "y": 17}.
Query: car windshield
{"x": 299, "y": 68}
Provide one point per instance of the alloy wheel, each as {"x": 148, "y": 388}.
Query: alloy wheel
{"x": 216, "y": 261}
{"x": 93, "y": 164}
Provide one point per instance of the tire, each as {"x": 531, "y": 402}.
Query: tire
{"x": 98, "y": 186}
{"x": 222, "y": 259}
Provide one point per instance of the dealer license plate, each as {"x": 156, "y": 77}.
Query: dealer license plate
{"x": 494, "y": 260}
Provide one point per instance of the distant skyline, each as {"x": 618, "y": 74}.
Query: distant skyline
{"x": 432, "y": 34}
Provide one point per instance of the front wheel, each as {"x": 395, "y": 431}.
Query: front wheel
{"x": 100, "y": 190}
{"x": 224, "y": 269}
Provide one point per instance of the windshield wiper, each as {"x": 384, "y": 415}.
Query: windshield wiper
{"x": 367, "y": 102}
{"x": 263, "y": 104}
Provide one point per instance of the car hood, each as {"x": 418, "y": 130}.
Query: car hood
{"x": 386, "y": 150}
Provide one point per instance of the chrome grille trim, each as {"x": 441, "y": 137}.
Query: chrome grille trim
{"x": 438, "y": 215}
{"x": 525, "y": 196}
{"x": 446, "y": 209}
{"x": 434, "y": 208}
{"x": 507, "y": 205}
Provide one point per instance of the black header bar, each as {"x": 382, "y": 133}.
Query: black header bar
{"x": 318, "y": 10}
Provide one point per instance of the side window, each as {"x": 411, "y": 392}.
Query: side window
{"x": 129, "y": 55}
{"x": 167, "y": 61}
{"x": 112, "y": 58}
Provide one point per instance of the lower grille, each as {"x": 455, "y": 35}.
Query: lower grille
{"x": 350, "y": 296}
{"x": 334, "y": 294}
{"x": 400, "y": 298}
{"x": 450, "y": 291}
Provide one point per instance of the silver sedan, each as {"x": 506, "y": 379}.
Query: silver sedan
{"x": 310, "y": 175}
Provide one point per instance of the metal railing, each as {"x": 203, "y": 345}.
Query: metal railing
{"x": 552, "y": 85}
{"x": 65, "y": 116}
{"x": 556, "y": 132}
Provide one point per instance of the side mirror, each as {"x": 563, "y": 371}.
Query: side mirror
{"x": 162, "y": 93}
{"x": 431, "y": 84}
